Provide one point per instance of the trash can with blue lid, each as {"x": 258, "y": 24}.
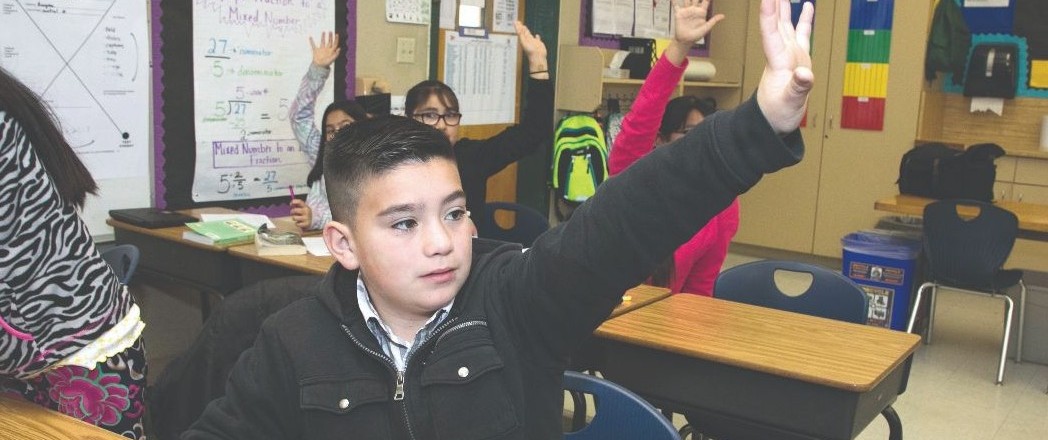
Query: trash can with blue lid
{"x": 885, "y": 266}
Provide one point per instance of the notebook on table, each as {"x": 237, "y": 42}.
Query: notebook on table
{"x": 151, "y": 218}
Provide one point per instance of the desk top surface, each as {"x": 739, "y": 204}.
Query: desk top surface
{"x": 174, "y": 233}
{"x": 639, "y": 296}
{"x": 1032, "y": 216}
{"x": 20, "y": 420}
{"x": 837, "y": 354}
{"x": 307, "y": 263}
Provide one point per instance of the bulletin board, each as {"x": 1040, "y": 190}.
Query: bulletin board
{"x": 221, "y": 95}
{"x": 658, "y": 11}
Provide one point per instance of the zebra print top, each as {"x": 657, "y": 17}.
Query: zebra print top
{"x": 56, "y": 293}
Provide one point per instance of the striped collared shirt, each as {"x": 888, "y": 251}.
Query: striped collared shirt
{"x": 395, "y": 347}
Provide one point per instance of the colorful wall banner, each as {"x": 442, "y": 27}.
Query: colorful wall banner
{"x": 866, "y": 70}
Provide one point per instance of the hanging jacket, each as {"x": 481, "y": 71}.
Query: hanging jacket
{"x": 948, "y": 42}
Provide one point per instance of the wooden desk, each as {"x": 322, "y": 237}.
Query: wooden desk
{"x": 640, "y": 296}
{"x": 254, "y": 267}
{"x": 165, "y": 253}
{"x": 750, "y": 372}
{"x": 1032, "y": 217}
{"x": 21, "y": 420}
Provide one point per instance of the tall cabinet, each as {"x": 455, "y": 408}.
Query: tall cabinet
{"x": 810, "y": 206}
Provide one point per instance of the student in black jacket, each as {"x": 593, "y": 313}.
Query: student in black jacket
{"x": 421, "y": 332}
{"x": 434, "y": 103}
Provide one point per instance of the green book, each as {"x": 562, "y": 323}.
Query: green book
{"x": 220, "y": 232}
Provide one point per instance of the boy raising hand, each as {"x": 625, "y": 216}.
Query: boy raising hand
{"x": 420, "y": 332}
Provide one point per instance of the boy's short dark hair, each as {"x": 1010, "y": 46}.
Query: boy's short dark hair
{"x": 371, "y": 147}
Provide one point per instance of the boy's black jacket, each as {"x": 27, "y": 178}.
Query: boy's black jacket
{"x": 494, "y": 368}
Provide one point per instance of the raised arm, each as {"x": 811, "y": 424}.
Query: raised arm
{"x": 612, "y": 242}
{"x": 536, "y": 120}
{"x": 301, "y": 112}
{"x": 641, "y": 125}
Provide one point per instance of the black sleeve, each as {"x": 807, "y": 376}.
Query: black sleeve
{"x": 261, "y": 400}
{"x": 575, "y": 274}
{"x": 516, "y": 142}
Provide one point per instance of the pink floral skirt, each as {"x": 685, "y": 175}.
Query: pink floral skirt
{"x": 111, "y": 396}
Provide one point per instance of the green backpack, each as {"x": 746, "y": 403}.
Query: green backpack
{"x": 580, "y": 158}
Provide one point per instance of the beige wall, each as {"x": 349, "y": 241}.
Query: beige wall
{"x": 377, "y": 44}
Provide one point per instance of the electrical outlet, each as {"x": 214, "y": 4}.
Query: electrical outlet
{"x": 405, "y": 50}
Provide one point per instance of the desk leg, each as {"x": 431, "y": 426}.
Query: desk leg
{"x": 894, "y": 423}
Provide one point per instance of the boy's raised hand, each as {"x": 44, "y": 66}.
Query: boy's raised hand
{"x": 327, "y": 51}
{"x": 783, "y": 91}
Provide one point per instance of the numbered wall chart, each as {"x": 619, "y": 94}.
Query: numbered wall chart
{"x": 248, "y": 62}
{"x": 89, "y": 60}
{"x": 483, "y": 74}
{"x": 866, "y": 72}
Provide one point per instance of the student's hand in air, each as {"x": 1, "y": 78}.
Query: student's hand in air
{"x": 301, "y": 214}
{"x": 327, "y": 51}
{"x": 787, "y": 79}
{"x": 534, "y": 50}
{"x": 690, "y": 23}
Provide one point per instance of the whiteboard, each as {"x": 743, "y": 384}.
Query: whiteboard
{"x": 89, "y": 61}
{"x": 248, "y": 62}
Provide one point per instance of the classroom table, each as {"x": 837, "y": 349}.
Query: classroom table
{"x": 1033, "y": 218}
{"x": 164, "y": 253}
{"x": 254, "y": 267}
{"x": 22, "y": 420}
{"x": 749, "y": 372}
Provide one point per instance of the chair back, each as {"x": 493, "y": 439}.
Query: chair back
{"x": 123, "y": 259}
{"x": 967, "y": 252}
{"x": 620, "y": 414}
{"x": 528, "y": 226}
{"x": 831, "y": 295}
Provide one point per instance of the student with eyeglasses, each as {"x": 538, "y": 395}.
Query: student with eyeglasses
{"x": 435, "y": 104}
{"x": 314, "y": 212}
{"x": 652, "y": 122}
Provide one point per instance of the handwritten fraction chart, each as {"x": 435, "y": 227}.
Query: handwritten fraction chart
{"x": 89, "y": 60}
{"x": 248, "y": 62}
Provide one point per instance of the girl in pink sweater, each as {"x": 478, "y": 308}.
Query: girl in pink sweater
{"x": 652, "y": 122}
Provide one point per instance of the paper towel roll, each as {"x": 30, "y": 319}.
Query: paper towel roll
{"x": 1044, "y": 133}
{"x": 699, "y": 70}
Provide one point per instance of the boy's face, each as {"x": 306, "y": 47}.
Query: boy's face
{"x": 410, "y": 237}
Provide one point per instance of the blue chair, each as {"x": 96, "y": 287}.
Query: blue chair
{"x": 123, "y": 259}
{"x": 528, "y": 226}
{"x": 830, "y": 295}
{"x": 967, "y": 254}
{"x": 620, "y": 414}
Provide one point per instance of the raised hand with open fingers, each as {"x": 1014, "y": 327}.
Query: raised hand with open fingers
{"x": 327, "y": 51}
{"x": 534, "y": 50}
{"x": 690, "y": 25}
{"x": 787, "y": 79}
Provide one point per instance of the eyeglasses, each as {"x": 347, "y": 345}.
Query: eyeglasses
{"x": 431, "y": 118}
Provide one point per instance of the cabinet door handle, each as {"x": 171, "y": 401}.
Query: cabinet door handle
{"x": 814, "y": 120}
{"x": 1020, "y": 198}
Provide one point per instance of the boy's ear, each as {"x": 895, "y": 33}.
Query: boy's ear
{"x": 339, "y": 241}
